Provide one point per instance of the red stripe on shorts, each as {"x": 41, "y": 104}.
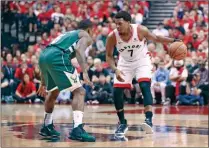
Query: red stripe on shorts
{"x": 122, "y": 85}
{"x": 144, "y": 80}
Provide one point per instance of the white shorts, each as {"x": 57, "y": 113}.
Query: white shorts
{"x": 140, "y": 69}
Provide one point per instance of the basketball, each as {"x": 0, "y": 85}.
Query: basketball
{"x": 177, "y": 50}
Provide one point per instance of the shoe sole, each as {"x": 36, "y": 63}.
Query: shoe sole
{"x": 80, "y": 139}
{"x": 122, "y": 133}
{"x": 147, "y": 128}
{"x": 44, "y": 135}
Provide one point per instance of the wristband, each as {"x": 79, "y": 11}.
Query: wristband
{"x": 176, "y": 40}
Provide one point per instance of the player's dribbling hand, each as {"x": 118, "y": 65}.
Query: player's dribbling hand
{"x": 42, "y": 91}
{"x": 119, "y": 75}
{"x": 87, "y": 80}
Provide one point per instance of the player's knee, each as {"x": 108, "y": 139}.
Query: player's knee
{"x": 145, "y": 85}
{"x": 118, "y": 92}
{"x": 79, "y": 91}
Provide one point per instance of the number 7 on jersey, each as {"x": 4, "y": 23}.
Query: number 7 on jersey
{"x": 131, "y": 52}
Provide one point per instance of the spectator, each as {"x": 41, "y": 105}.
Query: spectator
{"x": 137, "y": 16}
{"x": 102, "y": 92}
{"x": 98, "y": 69}
{"x": 160, "y": 30}
{"x": 9, "y": 70}
{"x": 6, "y": 95}
{"x": 101, "y": 43}
{"x": 57, "y": 16}
{"x": 192, "y": 96}
{"x": 202, "y": 81}
{"x": 23, "y": 69}
{"x": 159, "y": 81}
{"x": 26, "y": 91}
{"x": 31, "y": 21}
{"x": 69, "y": 15}
{"x": 178, "y": 75}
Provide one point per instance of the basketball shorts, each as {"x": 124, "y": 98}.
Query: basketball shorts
{"x": 140, "y": 69}
{"x": 57, "y": 70}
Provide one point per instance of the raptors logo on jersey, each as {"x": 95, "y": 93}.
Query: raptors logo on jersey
{"x": 134, "y": 49}
{"x": 134, "y": 59}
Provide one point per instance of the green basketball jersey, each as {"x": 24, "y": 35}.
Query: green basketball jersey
{"x": 67, "y": 41}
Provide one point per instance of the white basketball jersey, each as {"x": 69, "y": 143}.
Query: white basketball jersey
{"x": 132, "y": 50}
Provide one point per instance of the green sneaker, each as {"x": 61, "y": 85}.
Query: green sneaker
{"x": 49, "y": 131}
{"x": 80, "y": 134}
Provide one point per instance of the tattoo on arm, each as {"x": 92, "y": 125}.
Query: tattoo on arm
{"x": 42, "y": 80}
{"x": 83, "y": 43}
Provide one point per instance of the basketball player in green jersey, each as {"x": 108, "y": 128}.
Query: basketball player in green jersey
{"x": 58, "y": 74}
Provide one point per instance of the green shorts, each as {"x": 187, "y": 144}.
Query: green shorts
{"x": 57, "y": 70}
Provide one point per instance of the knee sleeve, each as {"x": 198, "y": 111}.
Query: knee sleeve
{"x": 118, "y": 98}
{"x": 146, "y": 92}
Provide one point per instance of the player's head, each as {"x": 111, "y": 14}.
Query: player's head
{"x": 86, "y": 25}
{"x": 122, "y": 21}
{"x": 160, "y": 25}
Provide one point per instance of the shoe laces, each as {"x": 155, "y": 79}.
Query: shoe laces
{"x": 83, "y": 128}
{"x": 120, "y": 126}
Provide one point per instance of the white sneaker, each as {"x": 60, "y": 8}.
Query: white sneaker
{"x": 167, "y": 102}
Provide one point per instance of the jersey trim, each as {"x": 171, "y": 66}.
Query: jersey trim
{"x": 138, "y": 26}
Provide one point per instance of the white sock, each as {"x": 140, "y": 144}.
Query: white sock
{"x": 77, "y": 118}
{"x": 48, "y": 118}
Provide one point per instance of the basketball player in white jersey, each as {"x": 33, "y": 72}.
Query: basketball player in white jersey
{"x": 134, "y": 61}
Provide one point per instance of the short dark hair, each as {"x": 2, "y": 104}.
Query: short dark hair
{"x": 124, "y": 15}
{"x": 160, "y": 24}
{"x": 85, "y": 24}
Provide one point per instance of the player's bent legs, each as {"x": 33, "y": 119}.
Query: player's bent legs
{"x": 143, "y": 75}
{"x": 78, "y": 104}
{"x": 148, "y": 101}
{"x": 118, "y": 93}
{"x": 78, "y": 133}
{"x": 50, "y": 100}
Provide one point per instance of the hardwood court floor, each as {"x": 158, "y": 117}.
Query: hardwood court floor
{"x": 181, "y": 126}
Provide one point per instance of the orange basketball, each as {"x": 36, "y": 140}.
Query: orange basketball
{"x": 177, "y": 50}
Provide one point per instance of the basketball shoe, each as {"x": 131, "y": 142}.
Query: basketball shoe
{"x": 122, "y": 128}
{"x": 147, "y": 126}
{"x": 49, "y": 131}
{"x": 80, "y": 134}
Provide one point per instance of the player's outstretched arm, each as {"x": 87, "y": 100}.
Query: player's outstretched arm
{"x": 84, "y": 41}
{"x": 110, "y": 45}
{"x": 156, "y": 38}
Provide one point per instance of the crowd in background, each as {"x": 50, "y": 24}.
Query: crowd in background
{"x": 28, "y": 27}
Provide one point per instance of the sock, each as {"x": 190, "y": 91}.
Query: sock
{"x": 121, "y": 117}
{"x": 148, "y": 115}
{"x": 48, "y": 118}
{"x": 77, "y": 118}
